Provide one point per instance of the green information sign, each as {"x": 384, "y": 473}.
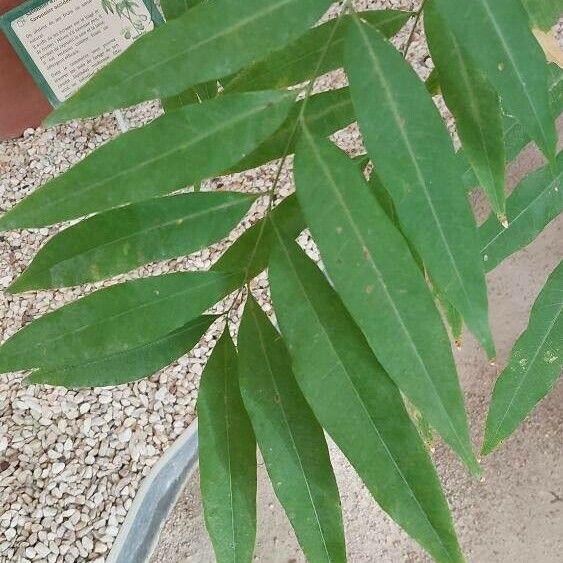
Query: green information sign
{"x": 64, "y": 42}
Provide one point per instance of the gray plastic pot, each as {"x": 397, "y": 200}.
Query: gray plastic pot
{"x": 155, "y": 500}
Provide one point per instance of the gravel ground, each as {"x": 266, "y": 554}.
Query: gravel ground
{"x": 72, "y": 461}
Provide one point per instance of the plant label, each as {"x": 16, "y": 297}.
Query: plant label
{"x": 64, "y": 42}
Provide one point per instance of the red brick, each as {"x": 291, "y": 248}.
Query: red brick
{"x": 22, "y": 104}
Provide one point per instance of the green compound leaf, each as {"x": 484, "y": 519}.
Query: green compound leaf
{"x": 290, "y": 439}
{"x": 475, "y": 106}
{"x": 381, "y": 285}
{"x": 130, "y": 365}
{"x": 119, "y": 240}
{"x": 114, "y": 319}
{"x": 251, "y": 251}
{"x": 176, "y": 150}
{"x": 211, "y": 41}
{"x": 496, "y": 34}
{"x": 534, "y": 203}
{"x": 324, "y": 114}
{"x": 227, "y": 457}
{"x": 298, "y": 61}
{"x": 535, "y": 364}
{"x": 414, "y": 157}
{"x": 356, "y": 402}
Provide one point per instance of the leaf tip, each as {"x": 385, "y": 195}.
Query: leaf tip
{"x": 67, "y": 111}
{"x": 489, "y": 345}
{"x": 52, "y": 119}
{"x": 19, "y": 285}
{"x": 473, "y": 465}
{"x": 6, "y": 223}
{"x": 488, "y": 446}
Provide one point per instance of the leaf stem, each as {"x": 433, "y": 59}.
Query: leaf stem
{"x": 347, "y": 6}
{"x": 410, "y": 38}
{"x": 308, "y": 91}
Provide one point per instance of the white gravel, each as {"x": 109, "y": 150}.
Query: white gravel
{"x": 72, "y": 461}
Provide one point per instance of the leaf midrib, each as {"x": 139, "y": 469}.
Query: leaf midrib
{"x": 147, "y": 163}
{"x": 290, "y": 432}
{"x": 317, "y": 116}
{"x": 503, "y": 231}
{"x": 109, "y": 318}
{"x": 182, "y": 54}
{"x": 521, "y": 80}
{"x": 344, "y": 370}
{"x": 528, "y": 369}
{"x": 227, "y": 430}
{"x": 114, "y": 355}
{"x": 389, "y": 298}
{"x": 397, "y": 119}
{"x": 311, "y": 119}
{"x": 336, "y": 44}
{"x": 261, "y": 76}
{"x": 135, "y": 234}
{"x": 475, "y": 110}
